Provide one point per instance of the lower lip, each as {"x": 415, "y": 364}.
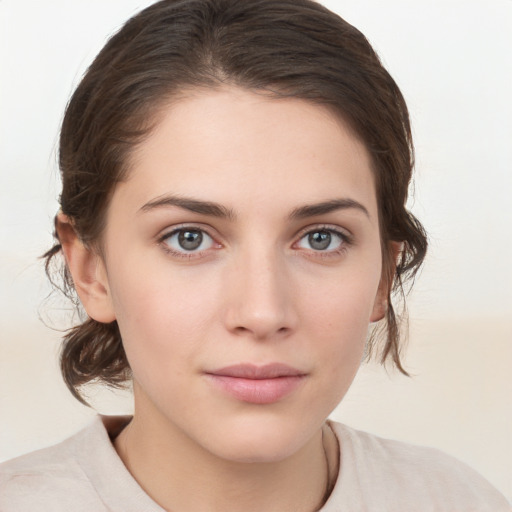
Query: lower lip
{"x": 257, "y": 391}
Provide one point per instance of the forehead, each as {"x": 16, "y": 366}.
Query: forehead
{"x": 238, "y": 147}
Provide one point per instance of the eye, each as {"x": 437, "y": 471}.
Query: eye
{"x": 187, "y": 240}
{"x": 322, "y": 240}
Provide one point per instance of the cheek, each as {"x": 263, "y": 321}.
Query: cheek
{"x": 162, "y": 317}
{"x": 338, "y": 318}
{"x": 345, "y": 303}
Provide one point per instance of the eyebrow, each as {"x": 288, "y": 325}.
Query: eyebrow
{"x": 192, "y": 205}
{"x": 217, "y": 210}
{"x": 312, "y": 210}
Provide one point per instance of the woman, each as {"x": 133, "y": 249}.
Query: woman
{"x": 233, "y": 219}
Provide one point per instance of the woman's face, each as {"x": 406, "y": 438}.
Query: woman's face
{"x": 242, "y": 263}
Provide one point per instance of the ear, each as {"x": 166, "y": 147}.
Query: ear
{"x": 87, "y": 270}
{"x": 380, "y": 306}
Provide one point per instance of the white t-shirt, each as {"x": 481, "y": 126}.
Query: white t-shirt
{"x": 85, "y": 474}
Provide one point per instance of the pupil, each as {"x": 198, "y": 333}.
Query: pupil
{"x": 320, "y": 240}
{"x": 190, "y": 240}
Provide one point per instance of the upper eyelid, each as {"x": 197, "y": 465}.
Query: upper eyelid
{"x": 167, "y": 232}
{"x": 211, "y": 232}
{"x": 161, "y": 241}
{"x": 344, "y": 232}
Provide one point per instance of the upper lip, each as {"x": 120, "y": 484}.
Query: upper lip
{"x": 256, "y": 372}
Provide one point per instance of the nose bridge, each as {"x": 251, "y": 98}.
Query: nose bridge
{"x": 260, "y": 299}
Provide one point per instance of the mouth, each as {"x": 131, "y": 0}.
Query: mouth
{"x": 257, "y": 384}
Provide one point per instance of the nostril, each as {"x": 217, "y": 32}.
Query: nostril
{"x": 260, "y": 311}
{"x": 241, "y": 330}
{"x": 261, "y": 331}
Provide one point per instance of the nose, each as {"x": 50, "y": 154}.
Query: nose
{"x": 259, "y": 297}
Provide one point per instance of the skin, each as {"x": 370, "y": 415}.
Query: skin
{"x": 256, "y": 291}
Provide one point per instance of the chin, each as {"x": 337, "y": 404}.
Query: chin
{"x": 262, "y": 440}
{"x": 250, "y": 451}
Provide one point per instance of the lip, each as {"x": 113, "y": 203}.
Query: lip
{"x": 255, "y": 384}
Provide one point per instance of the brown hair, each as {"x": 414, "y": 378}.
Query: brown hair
{"x": 288, "y": 48}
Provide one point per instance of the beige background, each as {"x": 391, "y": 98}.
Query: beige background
{"x": 452, "y": 60}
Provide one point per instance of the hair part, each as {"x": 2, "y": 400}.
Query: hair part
{"x": 285, "y": 48}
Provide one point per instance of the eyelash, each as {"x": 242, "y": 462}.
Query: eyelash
{"x": 346, "y": 241}
{"x": 183, "y": 254}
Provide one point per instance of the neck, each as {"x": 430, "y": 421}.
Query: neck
{"x": 181, "y": 476}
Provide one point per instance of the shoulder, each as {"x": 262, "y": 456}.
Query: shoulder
{"x": 408, "y": 477}
{"x": 52, "y": 478}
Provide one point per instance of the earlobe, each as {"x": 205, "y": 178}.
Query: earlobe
{"x": 381, "y": 304}
{"x": 87, "y": 270}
